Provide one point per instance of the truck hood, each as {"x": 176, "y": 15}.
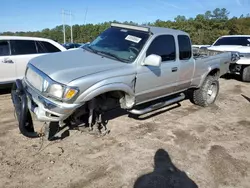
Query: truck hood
{"x": 67, "y": 66}
{"x": 230, "y": 48}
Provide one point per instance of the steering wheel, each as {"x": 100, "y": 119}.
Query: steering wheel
{"x": 133, "y": 49}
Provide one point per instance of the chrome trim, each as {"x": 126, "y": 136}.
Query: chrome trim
{"x": 42, "y": 74}
{"x": 157, "y": 105}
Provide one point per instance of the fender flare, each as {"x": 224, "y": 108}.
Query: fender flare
{"x": 96, "y": 90}
{"x": 210, "y": 70}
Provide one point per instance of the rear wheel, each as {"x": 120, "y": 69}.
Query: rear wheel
{"x": 245, "y": 73}
{"x": 207, "y": 93}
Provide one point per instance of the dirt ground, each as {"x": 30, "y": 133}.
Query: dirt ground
{"x": 185, "y": 146}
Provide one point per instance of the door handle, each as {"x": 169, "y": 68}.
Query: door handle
{"x": 174, "y": 69}
{"x": 7, "y": 61}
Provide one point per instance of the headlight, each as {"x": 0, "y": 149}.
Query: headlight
{"x": 58, "y": 90}
{"x": 235, "y": 56}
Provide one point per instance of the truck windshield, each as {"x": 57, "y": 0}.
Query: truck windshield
{"x": 117, "y": 43}
{"x": 242, "y": 41}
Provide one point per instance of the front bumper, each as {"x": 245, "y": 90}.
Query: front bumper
{"x": 26, "y": 100}
{"x": 45, "y": 109}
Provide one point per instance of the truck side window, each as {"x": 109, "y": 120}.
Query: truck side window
{"x": 50, "y": 48}
{"x": 185, "y": 52}
{"x": 163, "y": 46}
{"x": 22, "y": 47}
{"x": 4, "y": 48}
{"x": 40, "y": 48}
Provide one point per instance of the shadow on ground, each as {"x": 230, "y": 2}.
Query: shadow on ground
{"x": 5, "y": 89}
{"x": 231, "y": 77}
{"x": 165, "y": 175}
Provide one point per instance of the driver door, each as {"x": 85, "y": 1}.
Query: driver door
{"x": 155, "y": 82}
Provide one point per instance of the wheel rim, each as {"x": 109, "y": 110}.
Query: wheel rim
{"x": 212, "y": 93}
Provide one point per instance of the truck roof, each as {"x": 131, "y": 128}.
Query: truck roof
{"x": 162, "y": 30}
{"x": 152, "y": 29}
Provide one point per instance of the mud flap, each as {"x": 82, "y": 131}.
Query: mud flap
{"x": 20, "y": 103}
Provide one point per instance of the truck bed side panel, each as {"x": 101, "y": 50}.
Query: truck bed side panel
{"x": 203, "y": 65}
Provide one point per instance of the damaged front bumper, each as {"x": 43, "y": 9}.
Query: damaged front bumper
{"x": 26, "y": 101}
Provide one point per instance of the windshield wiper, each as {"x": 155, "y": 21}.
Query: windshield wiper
{"x": 106, "y": 53}
{"x": 113, "y": 55}
{"x": 92, "y": 49}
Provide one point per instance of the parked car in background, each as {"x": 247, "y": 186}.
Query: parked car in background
{"x": 71, "y": 45}
{"x": 124, "y": 67}
{"x": 84, "y": 44}
{"x": 16, "y": 52}
{"x": 239, "y": 44}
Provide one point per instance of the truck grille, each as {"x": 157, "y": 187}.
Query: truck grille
{"x": 34, "y": 79}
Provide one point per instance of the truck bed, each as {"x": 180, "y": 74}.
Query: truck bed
{"x": 203, "y": 57}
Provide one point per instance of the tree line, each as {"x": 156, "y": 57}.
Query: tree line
{"x": 203, "y": 29}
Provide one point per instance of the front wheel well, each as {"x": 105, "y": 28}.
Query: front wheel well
{"x": 112, "y": 99}
{"x": 215, "y": 73}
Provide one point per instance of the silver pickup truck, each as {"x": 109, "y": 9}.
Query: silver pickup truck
{"x": 126, "y": 66}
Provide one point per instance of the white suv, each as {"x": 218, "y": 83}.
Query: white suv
{"x": 16, "y": 52}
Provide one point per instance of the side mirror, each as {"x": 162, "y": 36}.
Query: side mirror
{"x": 153, "y": 60}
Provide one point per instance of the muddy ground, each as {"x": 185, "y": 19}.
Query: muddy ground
{"x": 181, "y": 145}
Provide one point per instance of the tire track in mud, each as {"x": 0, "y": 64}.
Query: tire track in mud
{"x": 225, "y": 169}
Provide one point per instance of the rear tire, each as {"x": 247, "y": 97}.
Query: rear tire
{"x": 207, "y": 93}
{"x": 245, "y": 73}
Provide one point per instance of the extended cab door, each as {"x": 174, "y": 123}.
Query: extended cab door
{"x": 155, "y": 82}
{"x": 7, "y": 64}
{"x": 187, "y": 63}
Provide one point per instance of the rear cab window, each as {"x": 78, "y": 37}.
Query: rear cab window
{"x": 185, "y": 50}
{"x": 4, "y": 48}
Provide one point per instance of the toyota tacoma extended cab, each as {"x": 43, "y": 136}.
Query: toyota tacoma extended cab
{"x": 127, "y": 67}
